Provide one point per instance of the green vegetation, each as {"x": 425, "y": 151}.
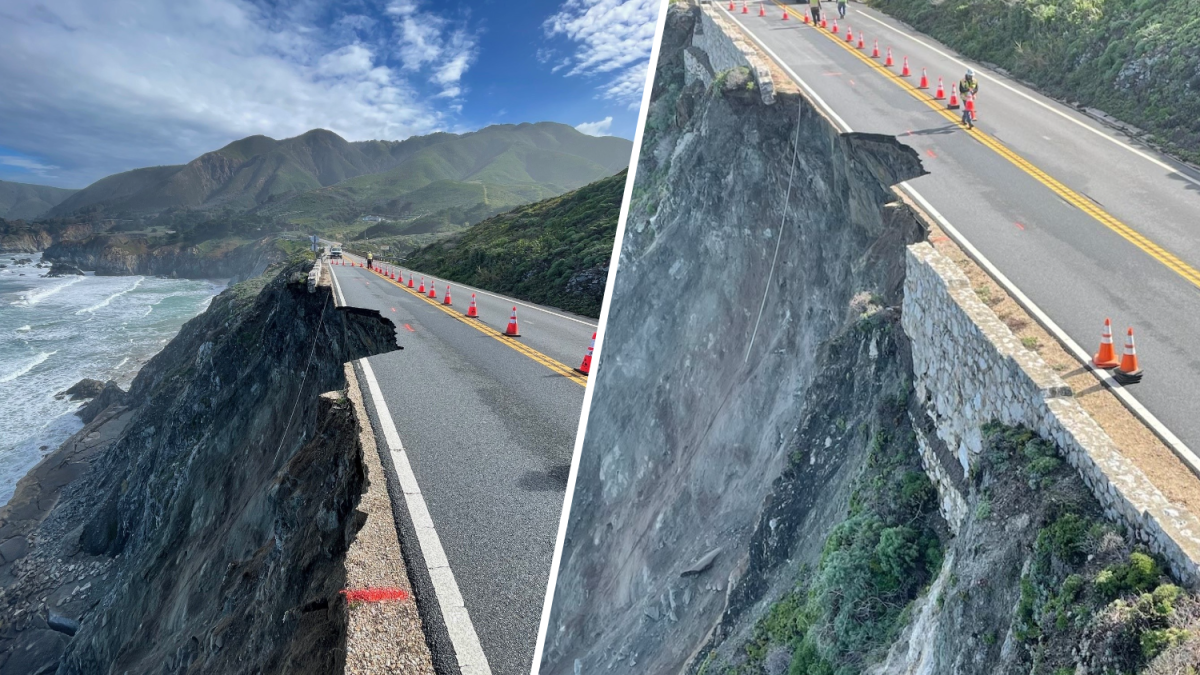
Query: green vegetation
{"x": 1137, "y": 60}
{"x": 555, "y": 252}
{"x": 843, "y": 614}
{"x": 1085, "y": 583}
{"x": 21, "y": 201}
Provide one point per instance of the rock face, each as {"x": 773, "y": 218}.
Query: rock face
{"x": 118, "y": 254}
{"x": 85, "y": 388}
{"x": 109, "y": 394}
{"x": 198, "y": 524}
{"x": 17, "y": 236}
{"x": 61, "y": 269}
{"x": 684, "y": 441}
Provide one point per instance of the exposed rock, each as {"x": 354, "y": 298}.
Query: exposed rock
{"x": 110, "y": 394}
{"x": 202, "y": 490}
{"x": 85, "y": 388}
{"x": 702, "y": 564}
{"x": 122, "y": 254}
{"x": 62, "y": 624}
{"x": 63, "y": 269}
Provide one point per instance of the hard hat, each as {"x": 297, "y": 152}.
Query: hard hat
{"x": 970, "y": 72}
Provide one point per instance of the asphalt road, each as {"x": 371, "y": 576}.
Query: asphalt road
{"x": 1072, "y": 266}
{"x": 489, "y": 432}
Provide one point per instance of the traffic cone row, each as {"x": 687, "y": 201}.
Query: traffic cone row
{"x": 1125, "y": 370}
{"x": 512, "y": 330}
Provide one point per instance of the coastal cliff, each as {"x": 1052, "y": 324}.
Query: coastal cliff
{"x": 119, "y": 254}
{"x": 200, "y": 523}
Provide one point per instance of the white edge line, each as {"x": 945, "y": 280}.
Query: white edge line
{"x": 1172, "y": 441}
{"x": 454, "y": 611}
{"x": 1099, "y": 132}
{"x": 816, "y": 98}
{"x": 614, "y": 261}
{"x": 337, "y": 287}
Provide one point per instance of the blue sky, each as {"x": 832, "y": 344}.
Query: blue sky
{"x": 94, "y": 87}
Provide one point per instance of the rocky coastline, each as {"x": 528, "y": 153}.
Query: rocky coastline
{"x": 198, "y": 522}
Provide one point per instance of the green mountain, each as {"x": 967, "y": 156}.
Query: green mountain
{"x": 319, "y": 176}
{"x": 22, "y": 201}
{"x": 555, "y": 252}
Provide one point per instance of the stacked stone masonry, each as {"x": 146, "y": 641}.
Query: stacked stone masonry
{"x": 726, "y": 48}
{"x": 969, "y": 369}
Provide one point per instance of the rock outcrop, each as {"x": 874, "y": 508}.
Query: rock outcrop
{"x": 119, "y": 254}
{"x": 198, "y": 523}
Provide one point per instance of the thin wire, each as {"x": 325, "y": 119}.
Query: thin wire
{"x": 787, "y": 200}
{"x": 283, "y": 436}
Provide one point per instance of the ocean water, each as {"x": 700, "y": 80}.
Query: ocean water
{"x": 57, "y": 331}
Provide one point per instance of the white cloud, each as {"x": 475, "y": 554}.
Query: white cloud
{"x": 26, "y": 164}
{"x": 425, "y": 38}
{"x": 596, "y": 128}
{"x": 99, "y": 87}
{"x": 613, "y": 38}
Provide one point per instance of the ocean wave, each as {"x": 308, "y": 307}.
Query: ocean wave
{"x": 38, "y": 296}
{"x": 105, "y": 302}
{"x": 37, "y": 360}
{"x": 24, "y": 329}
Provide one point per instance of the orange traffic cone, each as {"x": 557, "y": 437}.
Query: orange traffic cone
{"x": 446, "y": 300}
{"x": 904, "y": 71}
{"x": 422, "y": 288}
{"x": 835, "y": 27}
{"x": 875, "y": 51}
{"x": 924, "y": 83}
{"x": 785, "y": 13}
{"x": 410, "y": 283}
{"x": 586, "y": 366}
{"x": 1128, "y": 372}
{"x": 953, "y": 103}
{"x": 862, "y": 44}
{"x": 761, "y": 10}
{"x": 888, "y": 61}
{"x": 1106, "y": 357}
{"x": 432, "y": 290}
{"x": 940, "y": 94}
{"x": 731, "y": 5}
{"x": 472, "y": 312}
{"x": 824, "y": 24}
{"x": 512, "y": 331}
{"x": 849, "y": 35}
{"x": 804, "y": 17}
{"x": 745, "y": 10}
{"x": 969, "y": 101}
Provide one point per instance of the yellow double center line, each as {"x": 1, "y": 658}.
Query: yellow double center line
{"x": 1170, "y": 260}
{"x": 565, "y": 371}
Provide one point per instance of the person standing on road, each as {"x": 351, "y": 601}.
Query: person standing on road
{"x": 370, "y": 261}
{"x": 814, "y": 8}
{"x": 841, "y": 6}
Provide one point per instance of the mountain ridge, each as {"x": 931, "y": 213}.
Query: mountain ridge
{"x": 257, "y": 170}
{"x": 27, "y": 201}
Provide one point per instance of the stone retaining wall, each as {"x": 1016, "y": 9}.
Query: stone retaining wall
{"x": 726, "y": 48}
{"x": 969, "y": 369}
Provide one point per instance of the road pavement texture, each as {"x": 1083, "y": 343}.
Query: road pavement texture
{"x": 487, "y": 424}
{"x": 1086, "y": 222}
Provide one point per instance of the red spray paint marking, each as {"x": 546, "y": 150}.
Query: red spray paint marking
{"x": 939, "y": 238}
{"x": 410, "y": 328}
{"x": 1020, "y": 226}
{"x": 393, "y": 309}
{"x": 374, "y": 594}
{"x": 931, "y": 153}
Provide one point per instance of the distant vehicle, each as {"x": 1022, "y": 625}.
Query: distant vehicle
{"x": 335, "y": 252}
